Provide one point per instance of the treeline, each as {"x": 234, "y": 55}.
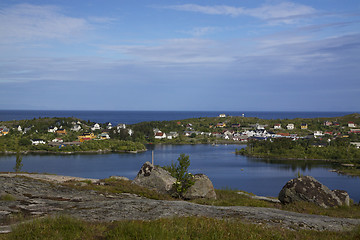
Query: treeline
{"x": 338, "y": 149}
{"x": 10, "y": 144}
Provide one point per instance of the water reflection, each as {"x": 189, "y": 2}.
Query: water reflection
{"x": 304, "y": 165}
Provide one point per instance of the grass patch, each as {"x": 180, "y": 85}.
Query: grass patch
{"x": 352, "y": 211}
{"x": 116, "y": 186}
{"x": 7, "y": 197}
{"x": 63, "y": 227}
{"x": 228, "y": 197}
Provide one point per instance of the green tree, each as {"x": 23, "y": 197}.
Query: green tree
{"x": 18, "y": 164}
{"x": 179, "y": 170}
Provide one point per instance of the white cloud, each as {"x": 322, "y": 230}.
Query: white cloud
{"x": 284, "y": 12}
{"x": 25, "y": 22}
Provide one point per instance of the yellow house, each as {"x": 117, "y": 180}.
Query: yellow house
{"x": 221, "y": 125}
{"x": 86, "y": 136}
{"x": 61, "y": 131}
{"x": 304, "y": 126}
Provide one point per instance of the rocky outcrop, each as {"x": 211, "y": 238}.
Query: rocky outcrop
{"x": 309, "y": 189}
{"x": 155, "y": 178}
{"x": 34, "y": 198}
{"x": 202, "y": 188}
{"x": 343, "y": 196}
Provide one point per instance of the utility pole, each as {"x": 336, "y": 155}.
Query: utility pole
{"x": 152, "y": 157}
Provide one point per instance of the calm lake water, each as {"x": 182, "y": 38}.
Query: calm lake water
{"x": 224, "y": 168}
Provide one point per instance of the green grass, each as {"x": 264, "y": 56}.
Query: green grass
{"x": 7, "y": 197}
{"x": 227, "y": 197}
{"x": 352, "y": 211}
{"x": 63, "y": 227}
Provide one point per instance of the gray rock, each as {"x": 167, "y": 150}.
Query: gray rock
{"x": 309, "y": 189}
{"x": 155, "y": 178}
{"x": 343, "y": 196}
{"x": 202, "y": 188}
{"x": 120, "y": 178}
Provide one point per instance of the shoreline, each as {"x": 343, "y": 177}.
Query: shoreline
{"x": 71, "y": 153}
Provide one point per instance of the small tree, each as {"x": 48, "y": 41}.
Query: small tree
{"x": 18, "y": 164}
{"x": 179, "y": 170}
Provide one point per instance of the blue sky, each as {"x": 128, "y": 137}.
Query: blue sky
{"x": 246, "y": 55}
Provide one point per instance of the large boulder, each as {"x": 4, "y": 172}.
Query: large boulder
{"x": 202, "y": 188}
{"x": 155, "y": 178}
{"x": 309, "y": 189}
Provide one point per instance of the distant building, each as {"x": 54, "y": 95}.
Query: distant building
{"x": 328, "y": 123}
{"x": 76, "y": 128}
{"x": 355, "y": 130}
{"x": 351, "y": 124}
{"x": 52, "y": 129}
{"x": 221, "y": 125}
{"x": 37, "y": 141}
{"x": 290, "y": 126}
{"x": 318, "y": 134}
{"x": 96, "y": 127}
{"x": 104, "y": 136}
{"x": 61, "y": 131}
{"x": 172, "y": 135}
{"x": 160, "y": 135}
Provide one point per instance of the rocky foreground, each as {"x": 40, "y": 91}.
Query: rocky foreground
{"x": 38, "y": 195}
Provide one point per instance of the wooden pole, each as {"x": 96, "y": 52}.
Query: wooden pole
{"x": 152, "y": 158}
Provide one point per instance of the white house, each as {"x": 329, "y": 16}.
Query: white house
{"x": 104, "y": 135}
{"x": 58, "y": 140}
{"x": 76, "y": 128}
{"x": 52, "y": 129}
{"x": 356, "y": 144}
{"x": 172, "y": 135}
{"x": 277, "y": 126}
{"x": 318, "y": 134}
{"x": 222, "y": 115}
{"x": 260, "y": 127}
{"x": 130, "y": 132}
{"x": 120, "y": 126}
{"x": 19, "y": 128}
{"x": 351, "y": 124}
{"x": 96, "y": 127}
{"x": 290, "y": 126}
{"x": 160, "y": 135}
{"x": 37, "y": 141}
{"x": 109, "y": 126}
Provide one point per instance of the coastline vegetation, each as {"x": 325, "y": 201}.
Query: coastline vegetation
{"x": 338, "y": 150}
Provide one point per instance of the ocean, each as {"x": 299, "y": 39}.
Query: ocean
{"x": 131, "y": 117}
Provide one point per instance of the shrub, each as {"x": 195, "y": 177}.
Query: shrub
{"x": 179, "y": 170}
